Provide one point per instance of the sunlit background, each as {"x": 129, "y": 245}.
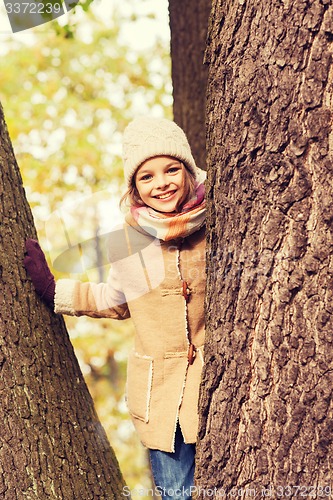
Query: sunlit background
{"x": 68, "y": 89}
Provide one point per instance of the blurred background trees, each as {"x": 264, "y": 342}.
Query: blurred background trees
{"x": 68, "y": 92}
{"x": 189, "y": 23}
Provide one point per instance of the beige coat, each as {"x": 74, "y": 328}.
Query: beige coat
{"x": 161, "y": 287}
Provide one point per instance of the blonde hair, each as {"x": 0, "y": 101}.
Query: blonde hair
{"x": 131, "y": 197}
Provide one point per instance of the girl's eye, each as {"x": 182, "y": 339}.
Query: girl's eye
{"x": 173, "y": 170}
{"x": 145, "y": 177}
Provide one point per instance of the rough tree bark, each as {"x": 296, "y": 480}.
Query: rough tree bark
{"x": 188, "y": 22}
{"x": 266, "y": 397}
{"x": 51, "y": 442}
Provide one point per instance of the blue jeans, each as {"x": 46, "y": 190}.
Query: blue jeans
{"x": 174, "y": 472}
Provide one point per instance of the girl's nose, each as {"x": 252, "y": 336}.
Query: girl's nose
{"x": 161, "y": 181}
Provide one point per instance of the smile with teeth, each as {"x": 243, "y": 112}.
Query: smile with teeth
{"x": 165, "y": 195}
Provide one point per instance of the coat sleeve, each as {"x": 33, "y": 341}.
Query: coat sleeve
{"x": 97, "y": 300}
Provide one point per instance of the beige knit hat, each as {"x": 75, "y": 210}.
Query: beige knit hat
{"x": 146, "y": 137}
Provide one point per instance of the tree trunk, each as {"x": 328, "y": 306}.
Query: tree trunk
{"x": 266, "y": 398}
{"x": 188, "y": 22}
{"x": 52, "y": 444}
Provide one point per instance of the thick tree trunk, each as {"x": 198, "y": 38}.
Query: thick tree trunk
{"x": 51, "y": 442}
{"x": 189, "y": 21}
{"x": 266, "y": 399}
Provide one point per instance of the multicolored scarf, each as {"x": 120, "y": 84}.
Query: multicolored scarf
{"x": 171, "y": 226}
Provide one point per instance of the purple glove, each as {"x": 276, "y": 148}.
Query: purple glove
{"x": 39, "y": 272}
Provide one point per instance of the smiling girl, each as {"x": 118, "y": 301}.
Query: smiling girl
{"x": 163, "y": 183}
{"x": 161, "y": 287}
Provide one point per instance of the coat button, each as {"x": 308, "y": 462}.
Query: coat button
{"x": 191, "y": 353}
{"x": 186, "y": 291}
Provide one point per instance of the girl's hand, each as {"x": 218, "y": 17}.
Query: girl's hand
{"x": 39, "y": 272}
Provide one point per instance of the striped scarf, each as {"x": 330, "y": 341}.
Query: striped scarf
{"x": 172, "y": 226}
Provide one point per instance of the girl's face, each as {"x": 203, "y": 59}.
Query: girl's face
{"x": 160, "y": 183}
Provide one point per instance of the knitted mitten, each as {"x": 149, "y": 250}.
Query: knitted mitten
{"x": 39, "y": 272}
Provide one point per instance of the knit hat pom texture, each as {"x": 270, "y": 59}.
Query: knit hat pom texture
{"x": 147, "y": 137}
